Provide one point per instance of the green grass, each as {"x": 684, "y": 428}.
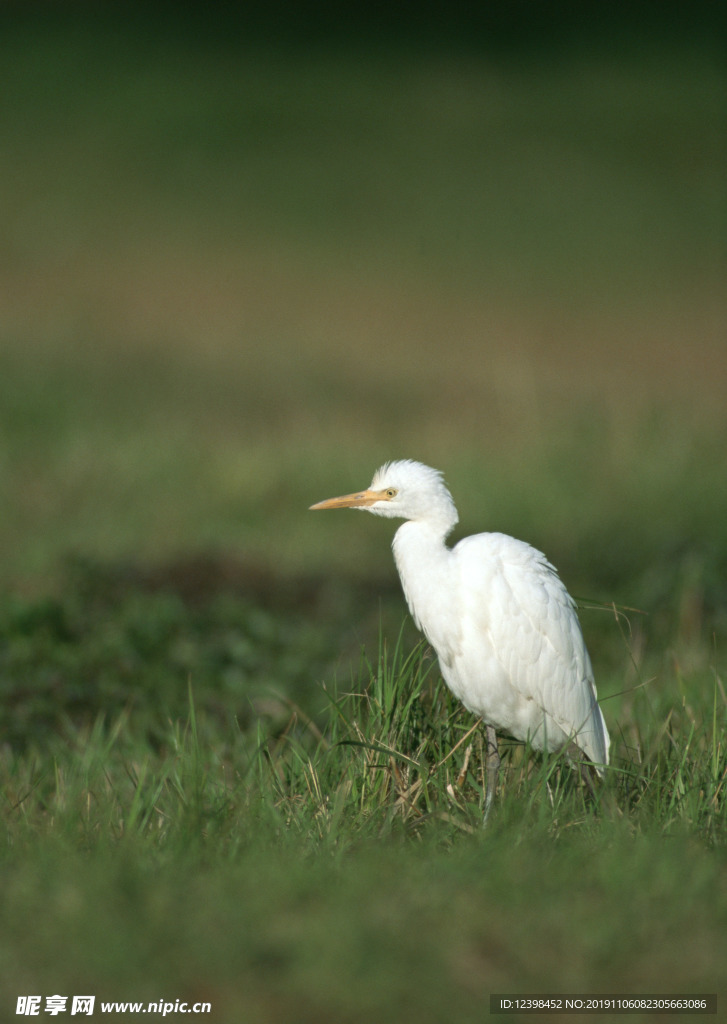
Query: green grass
{"x": 337, "y": 867}
{"x": 234, "y": 279}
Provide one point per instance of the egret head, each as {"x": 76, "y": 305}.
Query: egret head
{"x": 403, "y": 490}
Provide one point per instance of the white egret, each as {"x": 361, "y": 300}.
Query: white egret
{"x": 504, "y": 627}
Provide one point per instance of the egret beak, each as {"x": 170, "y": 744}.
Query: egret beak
{"x": 361, "y": 499}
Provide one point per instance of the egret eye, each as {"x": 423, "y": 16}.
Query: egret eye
{"x": 391, "y": 492}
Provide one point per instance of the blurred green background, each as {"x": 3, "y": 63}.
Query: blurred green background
{"x": 247, "y": 254}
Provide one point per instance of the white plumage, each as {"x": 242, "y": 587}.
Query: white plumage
{"x": 504, "y": 627}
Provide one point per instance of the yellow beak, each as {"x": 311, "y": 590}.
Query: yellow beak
{"x": 360, "y": 499}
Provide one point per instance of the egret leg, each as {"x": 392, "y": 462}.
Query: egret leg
{"x": 587, "y": 779}
{"x": 585, "y": 770}
{"x": 492, "y": 765}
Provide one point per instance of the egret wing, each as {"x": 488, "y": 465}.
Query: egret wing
{"x": 518, "y": 602}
